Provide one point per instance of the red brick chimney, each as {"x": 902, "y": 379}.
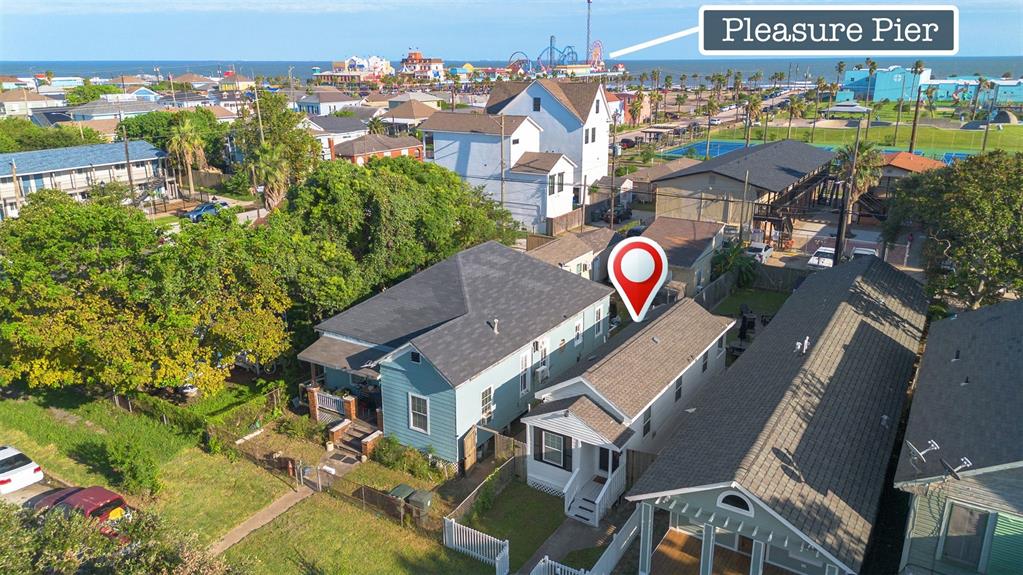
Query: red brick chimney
{"x": 330, "y": 144}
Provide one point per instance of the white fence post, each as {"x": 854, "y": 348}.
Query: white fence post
{"x": 477, "y": 544}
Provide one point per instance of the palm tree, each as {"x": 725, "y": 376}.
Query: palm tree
{"x": 821, "y": 85}
{"x": 642, "y": 79}
{"x": 754, "y": 111}
{"x": 839, "y": 70}
{"x": 711, "y": 109}
{"x": 271, "y": 167}
{"x": 871, "y": 93}
{"x": 756, "y": 78}
{"x": 981, "y": 83}
{"x": 930, "y": 93}
{"x": 186, "y": 146}
{"x": 668, "y": 82}
{"x": 682, "y": 78}
{"x": 655, "y": 100}
{"x": 869, "y": 162}
{"x": 918, "y": 68}
{"x": 376, "y": 126}
{"x": 796, "y": 108}
{"x": 680, "y": 100}
{"x": 655, "y": 79}
{"x": 699, "y": 92}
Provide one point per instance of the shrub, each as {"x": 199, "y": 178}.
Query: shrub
{"x": 302, "y": 428}
{"x": 136, "y": 469}
{"x": 157, "y": 408}
{"x": 394, "y": 455}
{"x": 239, "y": 183}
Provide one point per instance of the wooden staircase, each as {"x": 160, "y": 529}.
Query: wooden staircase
{"x": 584, "y": 506}
{"x": 356, "y": 432}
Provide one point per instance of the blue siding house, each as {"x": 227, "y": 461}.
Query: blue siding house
{"x": 461, "y": 347}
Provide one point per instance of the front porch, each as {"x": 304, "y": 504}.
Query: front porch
{"x": 679, "y": 554}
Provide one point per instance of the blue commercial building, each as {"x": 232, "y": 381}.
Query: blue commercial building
{"x": 963, "y": 88}
{"x": 889, "y": 83}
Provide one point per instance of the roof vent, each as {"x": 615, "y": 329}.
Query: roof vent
{"x": 493, "y": 324}
{"x": 802, "y": 346}
{"x": 884, "y": 421}
{"x": 956, "y": 358}
{"x": 656, "y": 339}
{"x": 965, "y": 382}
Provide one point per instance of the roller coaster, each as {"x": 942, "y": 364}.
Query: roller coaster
{"x": 550, "y": 58}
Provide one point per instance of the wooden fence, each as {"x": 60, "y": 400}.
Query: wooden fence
{"x": 636, "y": 462}
{"x": 367, "y": 497}
{"x": 779, "y": 279}
{"x": 534, "y": 241}
{"x": 570, "y": 221}
{"x": 716, "y": 291}
{"x": 496, "y": 481}
{"x": 477, "y": 544}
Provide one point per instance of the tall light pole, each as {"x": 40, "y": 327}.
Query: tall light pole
{"x": 614, "y": 162}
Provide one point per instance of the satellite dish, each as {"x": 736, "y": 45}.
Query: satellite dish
{"x": 964, "y": 463}
{"x": 917, "y": 455}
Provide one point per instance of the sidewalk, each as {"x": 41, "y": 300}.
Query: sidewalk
{"x": 261, "y": 518}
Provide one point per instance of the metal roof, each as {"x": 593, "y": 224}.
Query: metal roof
{"x": 59, "y": 159}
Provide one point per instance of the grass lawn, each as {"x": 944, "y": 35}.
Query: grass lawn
{"x": 761, "y": 301}
{"x": 229, "y": 396}
{"x": 522, "y": 515}
{"x": 384, "y": 478}
{"x": 583, "y": 558}
{"x": 201, "y": 492}
{"x": 324, "y": 535}
{"x": 166, "y": 220}
{"x": 929, "y": 139}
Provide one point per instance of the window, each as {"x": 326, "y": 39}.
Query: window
{"x": 487, "y": 405}
{"x": 415, "y": 357}
{"x": 598, "y": 107}
{"x": 721, "y": 345}
{"x": 542, "y": 347}
{"x": 524, "y": 374}
{"x": 578, "y": 268}
{"x": 646, "y": 421}
{"x": 703, "y": 360}
{"x": 598, "y": 317}
{"x": 561, "y": 182}
{"x": 678, "y": 388}
{"x": 586, "y": 136}
{"x": 418, "y": 413}
{"x": 735, "y": 502}
{"x": 579, "y": 330}
{"x": 515, "y": 141}
{"x": 554, "y": 448}
{"x": 965, "y": 531}
{"x": 593, "y": 134}
{"x": 552, "y": 184}
{"x": 536, "y": 104}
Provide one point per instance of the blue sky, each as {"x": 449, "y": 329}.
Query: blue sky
{"x": 333, "y": 29}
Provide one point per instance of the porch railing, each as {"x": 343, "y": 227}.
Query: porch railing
{"x": 618, "y": 546}
{"x": 572, "y": 488}
{"x": 477, "y": 544}
{"x": 330, "y": 402}
{"x": 612, "y": 489}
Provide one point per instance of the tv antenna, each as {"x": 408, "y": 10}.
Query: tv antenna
{"x": 916, "y": 455}
{"x": 964, "y": 463}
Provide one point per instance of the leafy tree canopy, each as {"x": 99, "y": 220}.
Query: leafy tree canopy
{"x": 21, "y": 135}
{"x": 972, "y": 214}
{"x": 280, "y": 129}
{"x": 89, "y": 296}
{"x": 157, "y": 128}
{"x": 89, "y": 92}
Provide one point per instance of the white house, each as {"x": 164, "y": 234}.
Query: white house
{"x": 535, "y": 185}
{"x": 331, "y": 130}
{"x": 321, "y": 103}
{"x": 21, "y": 102}
{"x": 574, "y": 118}
{"x": 583, "y": 252}
{"x": 625, "y": 398}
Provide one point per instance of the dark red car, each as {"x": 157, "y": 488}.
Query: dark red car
{"x": 97, "y": 503}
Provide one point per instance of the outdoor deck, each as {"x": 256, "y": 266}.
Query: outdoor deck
{"x": 679, "y": 554}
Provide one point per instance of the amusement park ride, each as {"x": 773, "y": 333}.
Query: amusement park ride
{"x": 553, "y": 60}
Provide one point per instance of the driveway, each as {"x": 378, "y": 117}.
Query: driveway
{"x": 28, "y": 494}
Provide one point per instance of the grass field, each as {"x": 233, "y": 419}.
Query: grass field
{"x": 929, "y": 139}
{"x": 524, "y": 516}
{"x": 201, "y": 492}
{"x": 760, "y": 301}
{"x": 324, "y": 535}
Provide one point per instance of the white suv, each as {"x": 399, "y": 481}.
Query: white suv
{"x": 17, "y": 470}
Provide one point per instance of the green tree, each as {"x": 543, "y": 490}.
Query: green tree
{"x": 735, "y": 259}
{"x": 710, "y": 109}
{"x": 869, "y": 162}
{"x": 89, "y": 93}
{"x": 21, "y": 135}
{"x": 797, "y": 105}
{"x": 271, "y": 169}
{"x": 376, "y": 126}
{"x": 970, "y": 213}
{"x": 754, "y": 106}
{"x": 186, "y": 146}
{"x": 278, "y": 125}
{"x": 156, "y": 128}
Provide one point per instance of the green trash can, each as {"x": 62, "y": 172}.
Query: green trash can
{"x": 402, "y": 491}
{"x": 421, "y": 499}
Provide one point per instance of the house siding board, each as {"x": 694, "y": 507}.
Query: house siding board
{"x": 1007, "y": 547}
{"x": 704, "y": 197}
{"x": 400, "y": 377}
{"x": 335, "y": 379}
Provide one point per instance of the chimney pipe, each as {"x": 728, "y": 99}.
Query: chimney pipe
{"x": 330, "y": 144}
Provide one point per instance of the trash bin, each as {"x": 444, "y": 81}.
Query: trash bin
{"x": 421, "y": 499}
{"x": 402, "y": 492}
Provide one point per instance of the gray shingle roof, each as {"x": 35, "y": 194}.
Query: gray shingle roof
{"x": 773, "y": 167}
{"x": 40, "y": 161}
{"x": 804, "y": 432}
{"x": 471, "y": 123}
{"x": 981, "y": 420}
{"x": 338, "y": 125}
{"x": 104, "y": 107}
{"x": 372, "y": 143}
{"x": 589, "y": 413}
{"x": 632, "y": 368}
{"x": 684, "y": 241}
{"x": 537, "y": 162}
{"x": 572, "y": 245}
{"x": 444, "y": 310}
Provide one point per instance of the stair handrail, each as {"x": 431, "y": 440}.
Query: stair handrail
{"x": 571, "y": 489}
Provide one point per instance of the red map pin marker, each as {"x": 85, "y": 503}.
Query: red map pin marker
{"x": 638, "y": 268}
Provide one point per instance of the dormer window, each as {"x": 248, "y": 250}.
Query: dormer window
{"x": 415, "y": 357}
{"x": 734, "y": 501}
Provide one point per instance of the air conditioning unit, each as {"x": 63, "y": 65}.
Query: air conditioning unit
{"x": 542, "y": 374}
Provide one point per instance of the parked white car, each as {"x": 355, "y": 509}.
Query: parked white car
{"x": 759, "y": 251}
{"x": 862, "y": 252}
{"x": 822, "y": 259}
{"x": 17, "y": 470}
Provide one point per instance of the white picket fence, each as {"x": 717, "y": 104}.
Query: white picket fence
{"x": 477, "y": 544}
{"x": 607, "y": 562}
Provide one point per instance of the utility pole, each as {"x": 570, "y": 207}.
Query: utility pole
{"x": 742, "y": 211}
{"x": 898, "y": 113}
{"x": 291, "y": 82}
{"x": 259, "y": 116}
{"x": 843, "y": 212}
{"x": 502, "y": 160}
{"x": 916, "y": 118}
{"x": 614, "y": 163}
{"x": 589, "y": 6}
{"x": 127, "y": 158}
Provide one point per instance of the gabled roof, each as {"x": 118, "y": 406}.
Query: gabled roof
{"x": 635, "y": 366}
{"x": 106, "y": 126}
{"x": 472, "y": 123}
{"x": 684, "y": 241}
{"x": 104, "y": 107}
{"x": 415, "y": 97}
{"x": 125, "y": 80}
{"x": 56, "y": 159}
{"x": 774, "y": 166}
{"x": 221, "y": 112}
{"x": 647, "y": 175}
{"x": 327, "y": 98}
{"x": 809, "y": 434}
{"x": 338, "y": 124}
{"x": 538, "y": 162}
{"x": 446, "y": 310}
{"x": 192, "y": 78}
{"x": 372, "y": 143}
{"x": 912, "y": 162}
{"x": 981, "y": 420}
{"x": 365, "y": 113}
{"x": 21, "y": 95}
{"x": 589, "y": 413}
{"x": 577, "y": 97}
{"x": 411, "y": 110}
{"x": 572, "y": 245}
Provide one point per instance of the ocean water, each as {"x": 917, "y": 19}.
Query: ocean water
{"x": 796, "y": 68}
